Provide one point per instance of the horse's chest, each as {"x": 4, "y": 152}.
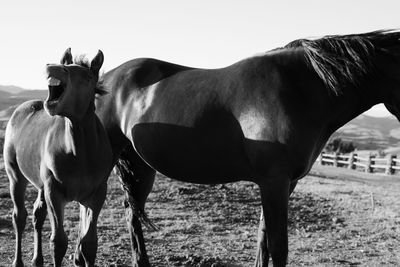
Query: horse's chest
{"x": 79, "y": 185}
{"x": 79, "y": 176}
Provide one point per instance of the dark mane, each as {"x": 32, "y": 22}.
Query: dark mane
{"x": 345, "y": 60}
{"x": 83, "y": 61}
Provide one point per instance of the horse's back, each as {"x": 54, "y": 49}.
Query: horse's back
{"x": 141, "y": 72}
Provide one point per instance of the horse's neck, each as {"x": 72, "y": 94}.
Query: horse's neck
{"x": 81, "y": 135}
{"x": 348, "y": 108}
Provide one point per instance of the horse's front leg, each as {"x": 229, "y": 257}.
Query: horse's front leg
{"x": 262, "y": 254}
{"x": 86, "y": 249}
{"x": 137, "y": 179}
{"x": 55, "y": 206}
{"x": 275, "y": 197}
{"x": 39, "y": 215}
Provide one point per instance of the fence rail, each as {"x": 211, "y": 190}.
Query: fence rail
{"x": 370, "y": 164}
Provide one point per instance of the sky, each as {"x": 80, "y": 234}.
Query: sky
{"x": 206, "y": 34}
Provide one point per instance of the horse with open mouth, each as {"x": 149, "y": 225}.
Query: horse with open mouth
{"x": 263, "y": 119}
{"x": 60, "y": 147}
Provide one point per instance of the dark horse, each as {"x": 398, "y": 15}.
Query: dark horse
{"x": 263, "y": 119}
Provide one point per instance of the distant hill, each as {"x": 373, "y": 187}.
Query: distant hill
{"x": 4, "y": 94}
{"x": 12, "y": 96}
{"x": 371, "y": 133}
{"x": 31, "y": 94}
{"x": 11, "y": 89}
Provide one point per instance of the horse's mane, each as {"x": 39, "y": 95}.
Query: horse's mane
{"x": 83, "y": 61}
{"x": 346, "y": 60}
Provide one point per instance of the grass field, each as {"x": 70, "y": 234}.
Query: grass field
{"x": 347, "y": 220}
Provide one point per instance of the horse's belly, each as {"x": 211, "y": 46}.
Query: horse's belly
{"x": 192, "y": 155}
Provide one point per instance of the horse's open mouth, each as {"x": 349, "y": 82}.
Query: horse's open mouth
{"x": 56, "y": 90}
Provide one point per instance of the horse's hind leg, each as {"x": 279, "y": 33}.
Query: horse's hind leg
{"x": 18, "y": 185}
{"x": 86, "y": 249}
{"x": 262, "y": 255}
{"x": 137, "y": 178}
{"x": 55, "y": 205}
{"x": 39, "y": 215}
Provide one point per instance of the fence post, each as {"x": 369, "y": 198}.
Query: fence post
{"x": 335, "y": 159}
{"x": 352, "y": 160}
{"x": 368, "y": 168}
{"x": 390, "y": 163}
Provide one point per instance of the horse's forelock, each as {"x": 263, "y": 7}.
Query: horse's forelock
{"x": 82, "y": 60}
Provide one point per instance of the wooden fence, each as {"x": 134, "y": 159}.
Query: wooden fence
{"x": 368, "y": 163}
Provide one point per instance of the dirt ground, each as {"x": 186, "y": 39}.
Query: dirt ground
{"x": 349, "y": 219}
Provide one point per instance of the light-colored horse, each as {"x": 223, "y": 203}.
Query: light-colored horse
{"x": 60, "y": 147}
{"x": 264, "y": 119}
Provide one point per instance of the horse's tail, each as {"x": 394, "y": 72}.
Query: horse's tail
{"x": 123, "y": 169}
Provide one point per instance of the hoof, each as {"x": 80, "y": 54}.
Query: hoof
{"x": 18, "y": 263}
{"x": 78, "y": 259}
{"x": 37, "y": 262}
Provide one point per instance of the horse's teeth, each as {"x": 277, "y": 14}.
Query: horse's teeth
{"x": 53, "y": 81}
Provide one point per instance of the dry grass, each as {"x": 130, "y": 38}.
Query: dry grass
{"x": 346, "y": 221}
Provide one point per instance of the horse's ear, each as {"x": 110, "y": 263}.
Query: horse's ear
{"x": 66, "y": 59}
{"x": 97, "y": 62}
